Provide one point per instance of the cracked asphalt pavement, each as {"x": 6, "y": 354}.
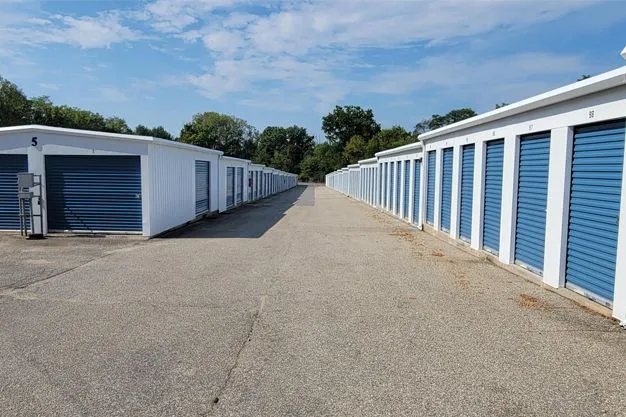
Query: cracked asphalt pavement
{"x": 304, "y": 304}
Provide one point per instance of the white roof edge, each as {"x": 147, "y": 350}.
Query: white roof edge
{"x": 368, "y": 160}
{"x": 591, "y": 85}
{"x": 234, "y": 158}
{"x": 105, "y": 135}
{"x": 410, "y": 147}
{"x": 175, "y": 144}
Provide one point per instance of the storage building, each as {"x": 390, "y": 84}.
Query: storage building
{"x": 537, "y": 184}
{"x": 103, "y": 182}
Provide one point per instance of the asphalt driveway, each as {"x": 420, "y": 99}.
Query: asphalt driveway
{"x": 305, "y": 304}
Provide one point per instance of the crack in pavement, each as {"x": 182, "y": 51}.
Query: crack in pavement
{"x": 253, "y": 322}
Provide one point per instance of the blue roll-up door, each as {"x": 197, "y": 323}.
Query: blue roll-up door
{"x": 230, "y": 186}
{"x": 467, "y": 192}
{"x": 532, "y": 199}
{"x": 10, "y": 165}
{"x": 594, "y": 209}
{"x": 202, "y": 187}
{"x": 383, "y": 196}
{"x": 391, "y": 186}
{"x": 416, "y": 190}
{"x": 430, "y": 189}
{"x": 446, "y": 189}
{"x": 93, "y": 193}
{"x": 407, "y": 187}
{"x": 398, "y": 186}
{"x": 493, "y": 195}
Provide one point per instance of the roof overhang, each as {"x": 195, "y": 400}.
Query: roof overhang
{"x": 415, "y": 146}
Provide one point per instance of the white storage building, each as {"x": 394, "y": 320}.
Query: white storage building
{"x": 537, "y": 184}
{"x": 103, "y": 182}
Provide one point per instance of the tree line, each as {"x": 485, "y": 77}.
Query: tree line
{"x": 352, "y": 133}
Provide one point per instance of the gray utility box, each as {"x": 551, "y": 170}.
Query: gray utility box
{"x": 25, "y": 179}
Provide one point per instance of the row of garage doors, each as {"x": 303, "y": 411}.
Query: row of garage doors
{"x": 89, "y": 193}
{"x": 594, "y": 203}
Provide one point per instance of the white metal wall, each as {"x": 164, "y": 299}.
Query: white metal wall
{"x": 171, "y": 194}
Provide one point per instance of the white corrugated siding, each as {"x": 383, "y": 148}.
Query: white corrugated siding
{"x": 172, "y": 186}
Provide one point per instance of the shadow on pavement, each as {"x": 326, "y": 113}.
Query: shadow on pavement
{"x": 250, "y": 221}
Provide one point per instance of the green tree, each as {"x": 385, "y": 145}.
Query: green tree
{"x": 233, "y": 136}
{"x": 388, "y": 139}
{"x": 355, "y": 150}
{"x": 75, "y": 118}
{"x": 583, "y": 77}
{"x": 42, "y": 111}
{"x": 343, "y": 123}
{"x": 323, "y": 159}
{"x": 436, "y": 121}
{"x": 157, "y": 132}
{"x": 284, "y": 147}
{"x": 273, "y": 139}
{"x": 14, "y": 106}
{"x": 116, "y": 125}
{"x": 500, "y": 105}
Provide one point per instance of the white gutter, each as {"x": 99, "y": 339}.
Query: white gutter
{"x": 415, "y": 146}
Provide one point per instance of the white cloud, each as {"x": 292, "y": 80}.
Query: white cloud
{"x": 112, "y": 94}
{"x": 50, "y": 86}
{"x": 86, "y": 32}
{"x": 315, "y": 47}
{"x": 223, "y": 41}
{"x": 453, "y": 72}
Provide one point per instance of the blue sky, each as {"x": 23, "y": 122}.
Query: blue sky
{"x": 290, "y": 62}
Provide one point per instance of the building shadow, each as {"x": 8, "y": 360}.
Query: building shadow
{"x": 250, "y": 221}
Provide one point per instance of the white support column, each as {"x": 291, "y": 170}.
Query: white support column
{"x": 508, "y": 211}
{"x": 456, "y": 192}
{"x": 402, "y": 196}
{"x": 422, "y": 211}
{"x": 478, "y": 195}
{"x": 412, "y": 190}
{"x": 619, "y": 294}
{"x": 437, "y": 205}
{"x": 145, "y": 192}
{"x": 557, "y": 211}
{"x": 396, "y": 188}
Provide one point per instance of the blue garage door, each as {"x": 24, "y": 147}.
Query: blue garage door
{"x": 467, "y": 192}
{"x": 230, "y": 186}
{"x": 407, "y": 186}
{"x": 532, "y": 196}
{"x": 93, "y": 193}
{"x": 446, "y": 189}
{"x": 430, "y": 189}
{"x": 202, "y": 187}
{"x": 594, "y": 209}
{"x": 10, "y": 165}
{"x": 383, "y": 202}
{"x": 391, "y": 186}
{"x": 416, "y": 190}
{"x": 398, "y": 186}
{"x": 493, "y": 195}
